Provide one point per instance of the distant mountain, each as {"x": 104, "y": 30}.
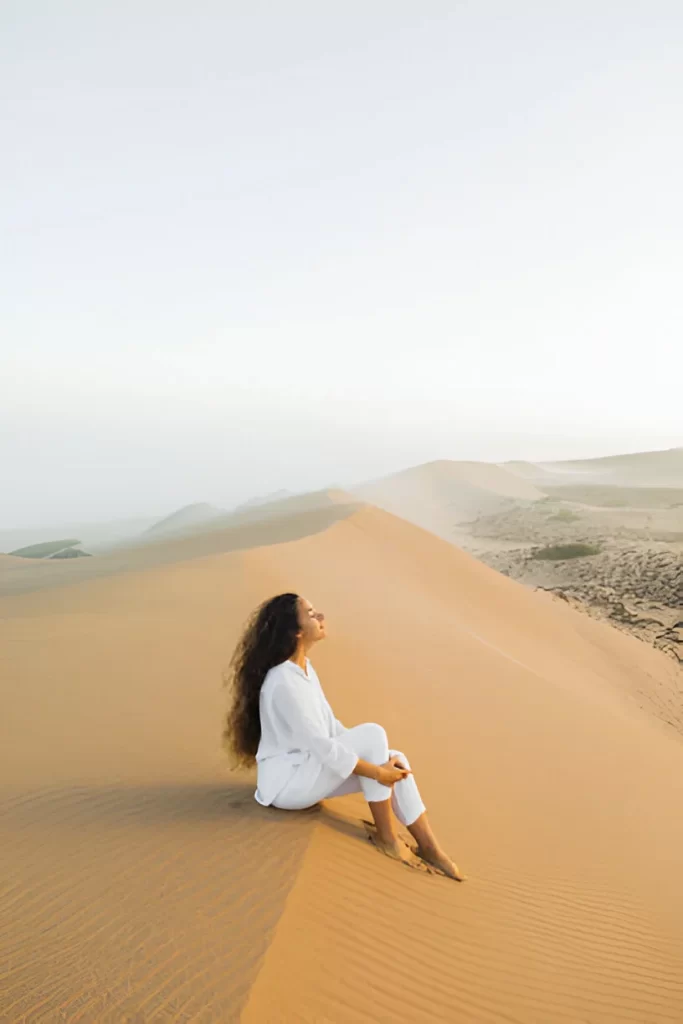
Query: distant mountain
{"x": 187, "y": 518}
{"x": 202, "y": 520}
{"x": 265, "y": 499}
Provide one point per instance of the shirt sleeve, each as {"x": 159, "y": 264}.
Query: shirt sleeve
{"x": 307, "y": 734}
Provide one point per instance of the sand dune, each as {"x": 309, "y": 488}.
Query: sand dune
{"x": 141, "y": 881}
{"x": 440, "y": 495}
{"x": 638, "y": 469}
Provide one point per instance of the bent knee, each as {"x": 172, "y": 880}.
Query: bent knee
{"x": 375, "y": 742}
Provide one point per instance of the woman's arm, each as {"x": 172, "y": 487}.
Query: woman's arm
{"x": 307, "y": 734}
{"x": 387, "y": 774}
{"x": 367, "y": 769}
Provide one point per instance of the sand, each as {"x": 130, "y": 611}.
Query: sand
{"x": 141, "y": 882}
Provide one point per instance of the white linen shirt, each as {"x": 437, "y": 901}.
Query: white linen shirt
{"x": 297, "y": 724}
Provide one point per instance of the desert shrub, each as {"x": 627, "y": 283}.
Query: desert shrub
{"x": 565, "y": 515}
{"x": 557, "y": 552}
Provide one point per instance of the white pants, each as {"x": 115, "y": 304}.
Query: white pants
{"x": 312, "y": 781}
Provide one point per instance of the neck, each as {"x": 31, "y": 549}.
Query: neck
{"x": 299, "y": 656}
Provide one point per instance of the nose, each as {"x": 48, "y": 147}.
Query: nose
{"x": 320, "y": 616}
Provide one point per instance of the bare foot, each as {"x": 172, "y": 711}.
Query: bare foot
{"x": 442, "y": 862}
{"x": 403, "y": 837}
{"x": 397, "y": 850}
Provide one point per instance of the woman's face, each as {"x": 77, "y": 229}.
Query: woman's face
{"x": 312, "y": 622}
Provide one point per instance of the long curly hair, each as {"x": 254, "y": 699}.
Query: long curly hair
{"x": 268, "y": 639}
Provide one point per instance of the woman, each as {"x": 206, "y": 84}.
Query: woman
{"x": 281, "y": 719}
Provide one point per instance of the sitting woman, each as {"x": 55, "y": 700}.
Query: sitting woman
{"x": 281, "y": 719}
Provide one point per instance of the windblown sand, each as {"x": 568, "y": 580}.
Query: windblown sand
{"x": 440, "y": 495}
{"x": 141, "y": 882}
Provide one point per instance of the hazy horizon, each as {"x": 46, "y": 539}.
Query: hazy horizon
{"x": 159, "y": 515}
{"x": 254, "y": 249}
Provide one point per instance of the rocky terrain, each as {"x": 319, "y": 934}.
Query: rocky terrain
{"x": 626, "y": 512}
{"x": 636, "y": 579}
{"x": 555, "y": 519}
{"x": 638, "y": 588}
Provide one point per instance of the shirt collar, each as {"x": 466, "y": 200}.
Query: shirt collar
{"x": 298, "y": 668}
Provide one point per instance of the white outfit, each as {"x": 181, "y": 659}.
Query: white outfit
{"x": 306, "y": 755}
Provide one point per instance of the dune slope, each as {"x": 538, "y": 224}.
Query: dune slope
{"x": 143, "y": 883}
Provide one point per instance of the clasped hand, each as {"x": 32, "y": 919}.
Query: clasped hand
{"x": 392, "y": 771}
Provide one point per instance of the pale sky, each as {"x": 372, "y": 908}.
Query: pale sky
{"x": 289, "y": 244}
